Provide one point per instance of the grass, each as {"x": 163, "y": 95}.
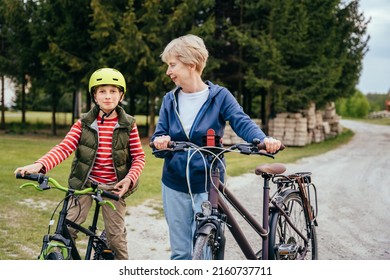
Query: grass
{"x": 39, "y": 123}
{"x": 238, "y": 165}
{"x": 45, "y": 118}
{"x": 377, "y": 121}
{"x": 24, "y": 213}
{"x": 37, "y": 117}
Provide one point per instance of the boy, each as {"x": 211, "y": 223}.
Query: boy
{"x": 108, "y": 151}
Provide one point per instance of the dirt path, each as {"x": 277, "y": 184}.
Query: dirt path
{"x": 353, "y": 184}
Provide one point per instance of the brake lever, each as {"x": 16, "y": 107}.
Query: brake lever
{"x": 249, "y": 149}
{"x": 31, "y": 184}
{"x": 98, "y": 198}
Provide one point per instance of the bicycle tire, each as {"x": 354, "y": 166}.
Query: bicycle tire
{"x": 284, "y": 242}
{"x": 56, "y": 256}
{"x": 206, "y": 247}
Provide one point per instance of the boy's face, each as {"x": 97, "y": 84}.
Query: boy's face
{"x": 108, "y": 97}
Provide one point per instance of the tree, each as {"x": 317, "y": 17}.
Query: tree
{"x": 2, "y": 71}
{"x": 281, "y": 54}
{"x": 353, "y": 45}
{"x": 377, "y": 101}
{"x": 65, "y": 49}
{"x": 300, "y": 52}
{"x": 355, "y": 106}
{"x": 19, "y": 58}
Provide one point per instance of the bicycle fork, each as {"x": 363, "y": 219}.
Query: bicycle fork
{"x": 211, "y": 219}
{"x": 58, "y": 242}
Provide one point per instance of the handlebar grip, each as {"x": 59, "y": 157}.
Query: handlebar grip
{"x": 171, "y": 144}
{"x": 33, "y": 177}
{"x": 110, "y": 195}
{"x": 261, "y": 146}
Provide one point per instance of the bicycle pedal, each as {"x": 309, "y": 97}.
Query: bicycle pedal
{"x": 288, "y": 250}
{"x": 108, "y": 254}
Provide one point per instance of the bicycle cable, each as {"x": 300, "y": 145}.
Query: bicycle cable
{"x": 52, "y": 215}
{"x": 189, "y": 157}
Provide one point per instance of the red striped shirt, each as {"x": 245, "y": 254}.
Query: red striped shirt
{"x": 103, "y": 169}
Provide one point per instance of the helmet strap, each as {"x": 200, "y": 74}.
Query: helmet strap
{"x": 105, "y": 114}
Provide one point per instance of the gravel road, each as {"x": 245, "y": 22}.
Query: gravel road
{"x": 353, "y": 185}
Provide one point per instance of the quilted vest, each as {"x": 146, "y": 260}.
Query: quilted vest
{"x": 88, "y": 144}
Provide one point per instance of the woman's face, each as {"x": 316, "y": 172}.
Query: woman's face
{"x": 180, "y": 73}
{"x": 108, "y": 97}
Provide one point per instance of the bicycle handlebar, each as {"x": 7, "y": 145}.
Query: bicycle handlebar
{"x": 33, "y": 177}
{"x": 256, "y": 147}
{"x": 45, "y": 180}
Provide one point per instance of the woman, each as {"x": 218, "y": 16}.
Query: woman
{"x": 186, "y": 113}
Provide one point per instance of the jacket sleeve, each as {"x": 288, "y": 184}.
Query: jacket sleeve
{"x": 240, "y": 122}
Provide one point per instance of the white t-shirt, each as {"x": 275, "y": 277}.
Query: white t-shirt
{"x": 189, "y": 106}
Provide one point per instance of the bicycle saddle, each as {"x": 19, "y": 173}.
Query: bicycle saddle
{"x": 270, "y": 168}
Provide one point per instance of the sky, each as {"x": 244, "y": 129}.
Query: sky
{"x": 375, "y": 77}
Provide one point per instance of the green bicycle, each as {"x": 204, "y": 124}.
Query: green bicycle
{"x": 60, "y": 245}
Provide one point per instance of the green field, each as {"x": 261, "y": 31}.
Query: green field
{"x": 45, "y": 118}
{"x": 24, "y": 213}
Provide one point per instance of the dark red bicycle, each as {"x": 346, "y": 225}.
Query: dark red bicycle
{"x": 289, "y": 215}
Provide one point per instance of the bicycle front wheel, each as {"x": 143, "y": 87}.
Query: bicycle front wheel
{"x": 284, "y": 242}
{"x": 55, "y": 256}
{"x": 207, "y": 247}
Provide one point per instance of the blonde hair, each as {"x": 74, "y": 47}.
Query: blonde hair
{"x": 189, "y": 49}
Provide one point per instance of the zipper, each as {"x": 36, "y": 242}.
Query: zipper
{"x": 112, "y": 151}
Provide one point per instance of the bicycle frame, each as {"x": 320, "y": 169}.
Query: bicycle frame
{"x": 91, "y": 232}
{"x": 61, "y": 238}
{"x": 219, "y": 188}
{"x": 62, "y": 235}
{"x": 216, "y": 213}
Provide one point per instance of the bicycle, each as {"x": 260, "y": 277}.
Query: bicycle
{"x": 288, "y": 217}
{"x": 60, "y": 245}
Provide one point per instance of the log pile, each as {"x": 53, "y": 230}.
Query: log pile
{"x": 298, "y": 129}
{"x": 231, "y": 138}
{"x": 306, "y": 127}
{"x": 379, "y": 115}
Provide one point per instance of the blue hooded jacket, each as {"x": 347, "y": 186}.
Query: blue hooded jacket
{"x": 220, "y": 107}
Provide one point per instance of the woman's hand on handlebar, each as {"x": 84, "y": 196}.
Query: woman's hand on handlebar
{"x": 273, "y": 145}
{"x": 29, "y": 169}
{"x": 161, "y": 142}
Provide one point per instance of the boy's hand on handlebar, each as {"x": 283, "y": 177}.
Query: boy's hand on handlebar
{"x": 29, "y": 169}
{"x": 161, "y": 142}
{"x": 122, "y": 187}
{"x": 273, "y": 145}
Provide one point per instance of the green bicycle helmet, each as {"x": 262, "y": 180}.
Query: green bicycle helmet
{"x": 107, "y": 76}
